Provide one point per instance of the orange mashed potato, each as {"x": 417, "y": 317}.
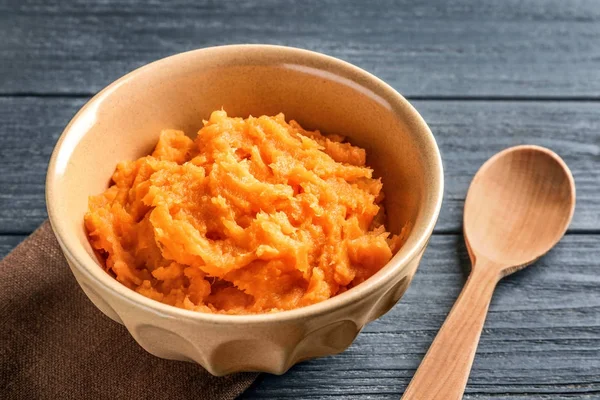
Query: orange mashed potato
{"x": 255, "y": 215}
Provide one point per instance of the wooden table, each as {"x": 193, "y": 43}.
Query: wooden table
{"x": 485, "y": 75}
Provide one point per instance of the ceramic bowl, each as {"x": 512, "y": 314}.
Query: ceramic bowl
{"x": 123, "y": 122}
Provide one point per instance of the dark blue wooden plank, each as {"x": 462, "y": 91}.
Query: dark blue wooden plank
{"x": 7, "y": 243}
{"x": 434, "y": 48}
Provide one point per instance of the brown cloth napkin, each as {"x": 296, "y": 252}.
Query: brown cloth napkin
{"x": 54, "y": 344}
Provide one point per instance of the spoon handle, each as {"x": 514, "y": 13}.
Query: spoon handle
{"x": 444, "y": 371}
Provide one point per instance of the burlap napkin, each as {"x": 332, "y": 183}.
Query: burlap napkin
{"x": 54, "y": 344}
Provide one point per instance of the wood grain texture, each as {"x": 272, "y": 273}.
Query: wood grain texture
{"x": 7, "y": 243}
{"x": 445, "y": 369}
{"x": 30, "y": 128}
{"x": 436, "y": 48}
{"x": 467, "y": 132}
{"x": 541, "y": 338}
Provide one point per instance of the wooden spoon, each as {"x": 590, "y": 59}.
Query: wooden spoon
{"x": 518, "y": 207}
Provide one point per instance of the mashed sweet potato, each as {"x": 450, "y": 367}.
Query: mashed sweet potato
{"x": 255, "y": 215}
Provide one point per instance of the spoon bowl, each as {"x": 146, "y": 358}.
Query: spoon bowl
{"x": 518, "y": 206}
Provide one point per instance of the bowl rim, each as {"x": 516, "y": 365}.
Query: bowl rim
{"x": 90, "y": 268}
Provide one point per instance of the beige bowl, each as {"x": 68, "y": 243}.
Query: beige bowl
{"x": 123, "y": 122}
